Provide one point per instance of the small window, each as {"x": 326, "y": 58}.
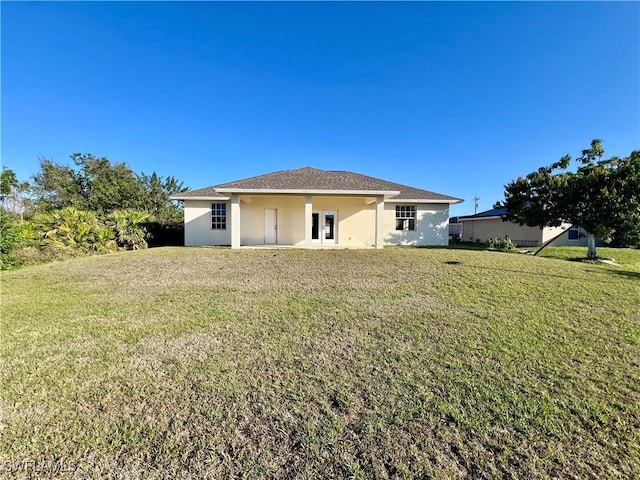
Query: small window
{"x": 218, "y": 216}
{"x": 574, "y": 233}
{"x": 405, "y": 217}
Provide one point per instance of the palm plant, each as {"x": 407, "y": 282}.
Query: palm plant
{"x": 71, "y": 228}
{"x": 129, "y": 228}
{"x": 104, "y": 240}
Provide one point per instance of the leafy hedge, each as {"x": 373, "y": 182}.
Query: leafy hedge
{"x": 70, "y": 232}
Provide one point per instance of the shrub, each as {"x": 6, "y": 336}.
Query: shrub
{"x": 15, "y": 235}
{"x": 10, "y": 239}
{"x": 455, "y": 238}
{"x": 504, "y": 244}
{"x": 129, "y": 228}
{"x": 75, "y": 229}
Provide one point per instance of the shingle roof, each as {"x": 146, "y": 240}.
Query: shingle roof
{"x": 200, "y": 192}
{"x": 316, "y": 180}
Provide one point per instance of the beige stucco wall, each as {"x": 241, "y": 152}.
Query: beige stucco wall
{"x": 197, "y": 225}
{"x": 481, "y": 230}
{"x": 355, "y": 227}
{"x": 551, "y": 232}
{"x": 432, "y": 225}
{"x": 290, "y": 219}
{"x": 356, "y": 220}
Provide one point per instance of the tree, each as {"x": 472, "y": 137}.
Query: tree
{"x": 107, "y": 186}
{"x": 8, "y": 180}
{"x": 601, "y": 196}
{"x": 57, "y": 186}
{"x": 96, "y": 184}
{"x": 12, "y": 192}
{"x": 93, "y": 206}
{"x": 156, "y": 199}
{"x": 626, "y": 187}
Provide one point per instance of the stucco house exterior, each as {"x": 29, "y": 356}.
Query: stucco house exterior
{"x": 492, "y": 224}
{"x": 308, "y": 207}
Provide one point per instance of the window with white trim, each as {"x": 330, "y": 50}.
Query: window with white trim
{"x": 405, "y": 217}
{"x": 218, "y": 216}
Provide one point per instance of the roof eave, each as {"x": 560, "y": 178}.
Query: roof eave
{"x": 490, "y": 217}
{"x": 198, "y": 197}
{"x": 303, "y": 191}
{"x": 450, "y": 201}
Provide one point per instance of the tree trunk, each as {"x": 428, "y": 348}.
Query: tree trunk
{"x": 591, "y": 246}
{"x": 548, "y": 242}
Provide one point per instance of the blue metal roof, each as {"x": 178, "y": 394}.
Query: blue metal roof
{"x": 494, "y": 212}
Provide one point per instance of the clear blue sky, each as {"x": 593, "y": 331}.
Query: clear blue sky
{"x": 458, "y": 98}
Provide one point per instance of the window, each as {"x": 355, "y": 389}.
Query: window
{"x": 574, "y": 233}
{"x": 405, "y": 217}
{"x": 218, "y": 216}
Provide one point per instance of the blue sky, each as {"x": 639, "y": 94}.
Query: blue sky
{"x": 457, "y": 98}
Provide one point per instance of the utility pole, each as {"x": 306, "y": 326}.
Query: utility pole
{"x": 476, "y": 199}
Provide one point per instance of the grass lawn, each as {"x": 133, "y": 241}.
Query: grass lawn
{"x": 627, "y": 258}
{"x": 394, "y": 363}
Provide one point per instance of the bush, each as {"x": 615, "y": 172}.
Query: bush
{"x": 75, "y": 229}
{"x": 10, "y": 240}
{"x": 503, "y": 244}
{"x": 129, "y": 228}
{"x": 70, "y": 232}
{"x": 15, "y": 234}
{"x": 455, "y": 238}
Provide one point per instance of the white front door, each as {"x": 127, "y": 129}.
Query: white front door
{"x": 324, "y": 227}
{"x": 270, "y": 226}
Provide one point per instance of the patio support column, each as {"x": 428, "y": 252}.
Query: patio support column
{"x": 235, "y": 220}
{"x": 379, "y": 221}
{"x": 308, "y": 213}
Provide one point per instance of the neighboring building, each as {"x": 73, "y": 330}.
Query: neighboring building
{"x": 308, "y": 207}
{"x": 455, "y": 228}
{"x": 492, "y": 224}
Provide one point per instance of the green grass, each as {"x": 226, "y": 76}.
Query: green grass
{"x": 627, "y": 258}
{"x": 400, "y": 363}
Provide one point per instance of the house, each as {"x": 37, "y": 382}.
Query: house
{"x": 308, "y": 207}
{"x": 455, "y": 228}
{"x": 493, "y": 224}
